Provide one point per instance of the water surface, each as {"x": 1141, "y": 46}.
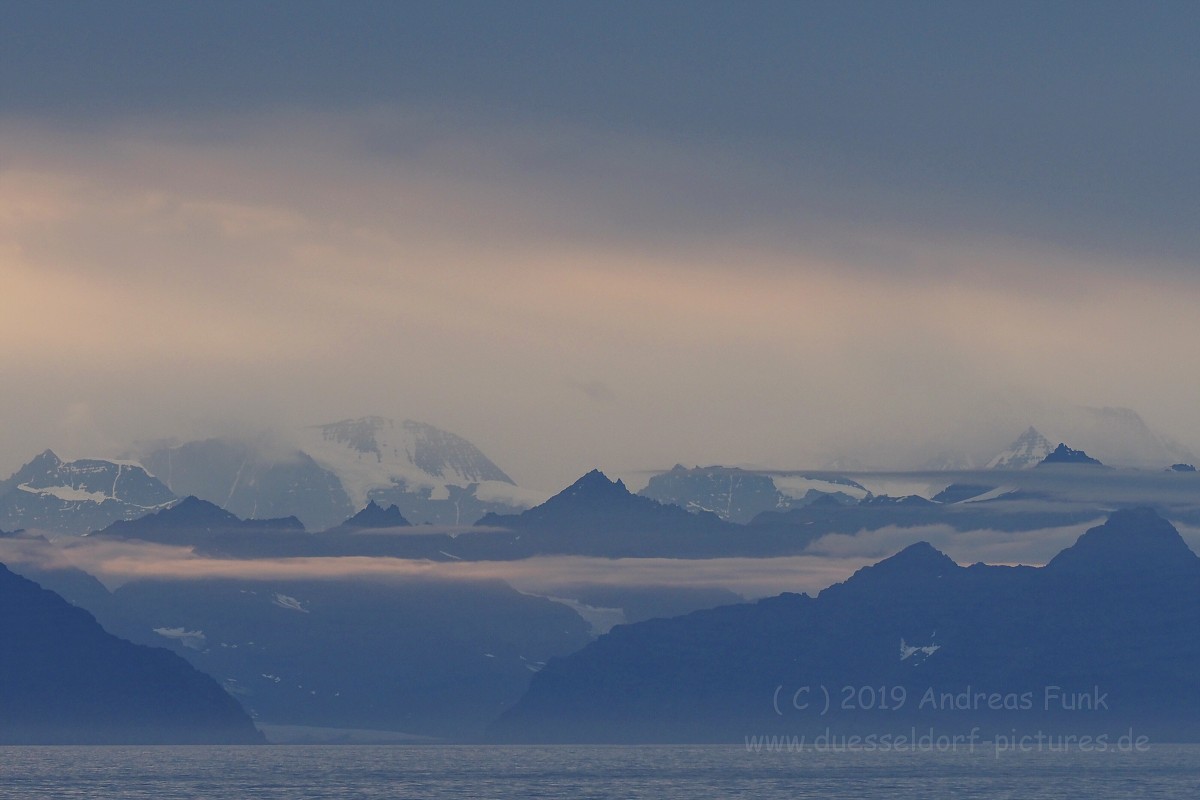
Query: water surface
{"x": 580, "y": 772}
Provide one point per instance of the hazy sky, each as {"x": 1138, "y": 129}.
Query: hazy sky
{"x": 598, "y": 234}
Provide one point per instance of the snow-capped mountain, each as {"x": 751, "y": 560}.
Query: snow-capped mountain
{"x": 1026, "y": 452}
{"x": 1065, "y": 455}
{"x": 325, "y": 473}
{"x": 74, "y": 497}
{"x": 373, "y": 453}
{"x": 430, "y": 474}
{"x": 1117, "y": 436}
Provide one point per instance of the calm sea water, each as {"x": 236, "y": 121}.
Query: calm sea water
{"x": 312, "y": 772}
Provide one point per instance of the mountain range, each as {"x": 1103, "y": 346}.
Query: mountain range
{"x": 301, "y": 618}
{"x": 323, "y": 579}
{"x": 323, "y": 474}
{"x": 739, "y": 495}
{"x": 599, "y": 517}
{"x": 1102, "y": 640}
{"x": 320, "y": 475}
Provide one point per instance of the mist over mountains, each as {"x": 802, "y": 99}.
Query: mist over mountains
{"x": 598, "y": 372}
{"x": 444, "y": 657}
{"x": 323, "y": 474}
{"x": 320, "y": 475}
{"x": 452, "y": 604}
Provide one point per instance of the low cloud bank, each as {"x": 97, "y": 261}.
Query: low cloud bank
{"x": 831, "y": 559}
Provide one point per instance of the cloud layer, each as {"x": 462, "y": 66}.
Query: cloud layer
{"x": 581, "y": 236}
{"x": 832, "y": 559}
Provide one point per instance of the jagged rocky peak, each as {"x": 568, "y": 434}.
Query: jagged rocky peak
{"x": 1025, "y": 452}
{"x": 1134, "y": 539}
{"x": 376, "y": 516}
{"x": 594, "y": 484}
{"x": 1065, "y": 455}
{"x": 592, "y": 493}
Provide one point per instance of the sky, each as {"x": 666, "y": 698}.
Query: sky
{"x": 617, "y": 235}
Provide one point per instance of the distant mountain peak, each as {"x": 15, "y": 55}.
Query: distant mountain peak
{"x": 324, "y": 474}
{"x": 77, "y": 496}
{"x": 1065, "y": 455}
{"x": 920, "y": 557}
{"x": 191, "y": 510}
{"x": 594, "y": 485}
{"x": 374, "y": 516}
{"x": 599, "y": 516}
{"x": 47, "y": 456}
{"x": 597, "y": 478}
{"x": 1028, "y": 450}
{"x": 260, "y": 476}
{"x": 190, "y": 516}
{"x": 915, "y": 563}
{"x": 1130, "y": 539}
{"x": 373, "y": 453}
